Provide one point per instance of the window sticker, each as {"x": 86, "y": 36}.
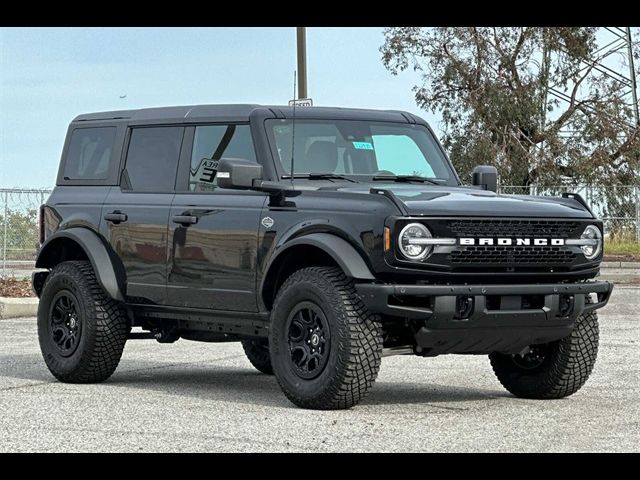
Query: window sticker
{"x": 206, "y": 171}
{"x": 362, "y": 145}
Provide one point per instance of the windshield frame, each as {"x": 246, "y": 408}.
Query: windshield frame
{"x": 453, "y": 180}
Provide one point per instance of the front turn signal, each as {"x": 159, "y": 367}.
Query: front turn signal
{"x": 387, "y": 239}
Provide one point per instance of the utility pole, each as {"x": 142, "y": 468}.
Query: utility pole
{"x": 632, "y": 77}
{"x": 301, "y": 35}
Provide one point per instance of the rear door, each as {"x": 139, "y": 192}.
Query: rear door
{"x": 136, "y": 213}
{"x": 213, "y": 232}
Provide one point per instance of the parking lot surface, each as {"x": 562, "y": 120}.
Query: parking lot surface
{"x": 206, "y": 397}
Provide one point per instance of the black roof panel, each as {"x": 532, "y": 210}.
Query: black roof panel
{"x": 241, "y": 112}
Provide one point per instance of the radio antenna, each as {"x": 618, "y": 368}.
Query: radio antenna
{"x": 293, "y": 125}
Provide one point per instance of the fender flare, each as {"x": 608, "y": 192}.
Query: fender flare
{"x": 97, "y": 253}
{"x": 342, "y": 252}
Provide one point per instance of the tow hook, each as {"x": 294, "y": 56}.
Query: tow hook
{"x": 566, "y": 305}
{"x": 464, "y": 307}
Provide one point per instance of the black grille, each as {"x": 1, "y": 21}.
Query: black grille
{"x": 508, "y": 255}
{"x": 513, "y": 228}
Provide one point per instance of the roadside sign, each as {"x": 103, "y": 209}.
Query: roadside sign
{"x": 301, "y": 102}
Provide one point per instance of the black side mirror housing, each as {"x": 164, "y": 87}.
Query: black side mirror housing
{"x": 486, "y": 177}
{"x": 238, "y": 174}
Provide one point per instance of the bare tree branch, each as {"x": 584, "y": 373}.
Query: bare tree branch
{"x": 567, "y": 114}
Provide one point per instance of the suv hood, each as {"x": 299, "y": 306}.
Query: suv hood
{"x": 463, "y": 201}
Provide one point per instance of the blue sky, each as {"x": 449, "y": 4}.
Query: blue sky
{"x": 49, "y": 75}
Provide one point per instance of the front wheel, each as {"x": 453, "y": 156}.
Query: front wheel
{"x": 325, "y": 346}
{"x": 552, "y": 370}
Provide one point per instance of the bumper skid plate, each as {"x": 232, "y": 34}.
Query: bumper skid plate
{"x": 479, "y": 318}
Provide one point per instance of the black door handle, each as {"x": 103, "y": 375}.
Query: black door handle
{"x": 185, "y": 220}
{"x": 116, "y": 217}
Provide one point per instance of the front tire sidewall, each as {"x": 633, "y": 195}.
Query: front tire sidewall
{"x": 280, "y": 355}
{"x": 60, "y": 365}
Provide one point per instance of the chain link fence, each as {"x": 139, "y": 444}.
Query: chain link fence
{"x": 19, "y": 234}
{"x": 619, "y": 208}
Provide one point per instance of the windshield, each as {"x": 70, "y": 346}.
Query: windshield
{"x": 358, "y": 149}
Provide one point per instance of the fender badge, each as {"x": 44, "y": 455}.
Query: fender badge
{"x": 267, "y": 222}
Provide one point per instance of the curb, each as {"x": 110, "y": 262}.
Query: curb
{"x": 18, "y": 307}
{"x": 621, "y": 278}
{"x": 625, "y": 265}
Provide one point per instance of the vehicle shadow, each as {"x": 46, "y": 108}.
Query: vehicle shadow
{"x": 206, "y": 382}
{"x": 240, "y": 385}
{"x": 388, "y": 393}
{"x": 24, "y": 366}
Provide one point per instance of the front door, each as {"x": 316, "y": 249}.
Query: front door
{"x": 213, "y": 232}
{"x": 136, "y": 213}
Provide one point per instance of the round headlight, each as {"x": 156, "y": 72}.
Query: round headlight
{"x": 593, "y": 250}
{"x": 409, "y": 241}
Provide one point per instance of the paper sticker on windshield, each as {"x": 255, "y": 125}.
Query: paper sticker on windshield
{"x": 362, "y": 145}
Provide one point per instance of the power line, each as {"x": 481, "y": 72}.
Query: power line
{"x": 622, "y": 44}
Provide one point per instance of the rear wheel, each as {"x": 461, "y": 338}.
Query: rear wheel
{"x": 325, "y": 346}
{"x": 82, "y": 331}
{"x": 257, "y": 351}
{"x": 552, "y": 370}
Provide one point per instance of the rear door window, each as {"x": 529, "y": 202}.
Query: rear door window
{"x": 152, "y": 159}
{"x": 89, "y": 154}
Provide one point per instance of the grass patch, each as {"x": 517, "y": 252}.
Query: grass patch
{"x": 622, "y": 251}
{"x": 620, "y": 248}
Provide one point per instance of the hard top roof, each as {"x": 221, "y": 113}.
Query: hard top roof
{"x": 241, "y": 112}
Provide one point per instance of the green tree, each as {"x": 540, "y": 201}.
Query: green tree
{"x": 491, "y": 86}
{"x": 21, "y": 234}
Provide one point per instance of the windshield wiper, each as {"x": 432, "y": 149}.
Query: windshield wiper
{"x": 405, "y": 178}
{"x": 320, "y": 176}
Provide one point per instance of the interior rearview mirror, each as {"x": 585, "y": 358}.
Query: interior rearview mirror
{"x": 486, "y": 177}
{"x": 238, "y": 174}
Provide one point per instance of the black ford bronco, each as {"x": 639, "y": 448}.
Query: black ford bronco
{"x": 321, "y": 238}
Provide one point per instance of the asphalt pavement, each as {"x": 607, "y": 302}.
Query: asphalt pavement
{"x": 206, "y": 397}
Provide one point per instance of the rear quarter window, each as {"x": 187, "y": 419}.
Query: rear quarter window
{"x": 90, "y": 154}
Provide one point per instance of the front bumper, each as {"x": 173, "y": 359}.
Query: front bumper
{"x": 485, "y": 318}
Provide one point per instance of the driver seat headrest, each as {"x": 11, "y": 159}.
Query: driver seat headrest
{"x": 321, "y": 157}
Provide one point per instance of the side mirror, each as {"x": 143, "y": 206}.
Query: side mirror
{"x": 486, "y": 177}
{"x": 238, "y": 174}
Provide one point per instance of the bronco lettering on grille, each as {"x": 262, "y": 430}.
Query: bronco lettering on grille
{"x": 512, "y": 241}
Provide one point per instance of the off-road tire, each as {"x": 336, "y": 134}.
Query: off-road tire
{"x": 355, "y": 349}
{"x": 104, "y": 324}
{"x": 257, "y": 351}
{"x": 565, "y": 368}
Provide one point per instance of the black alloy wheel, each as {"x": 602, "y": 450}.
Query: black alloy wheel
{"x": 309, "y": 340}
{"x": 65, "y": 326}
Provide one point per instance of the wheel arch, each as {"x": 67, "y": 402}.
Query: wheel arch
{"x": 80, "y": 243}
{"x": 311, "y": 250}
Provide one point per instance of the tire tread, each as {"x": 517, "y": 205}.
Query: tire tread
{"x": 358, "y": 369}
{"x": 257, "y": 356}
{"x": 573, "y": 360}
